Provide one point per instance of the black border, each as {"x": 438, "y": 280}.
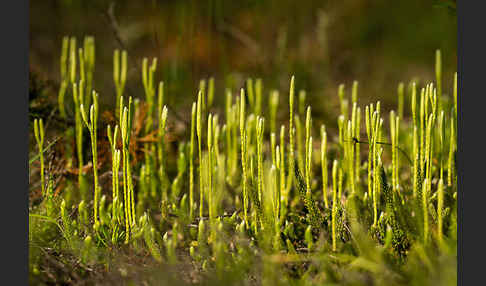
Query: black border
{"x": 471, "y": 152}
{"x": 14, "y": 212}
{"x": 459, "y": 155}
{"x": 14, "y": 23}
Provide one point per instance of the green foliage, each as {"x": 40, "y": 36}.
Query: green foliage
{"x": 377, "y": 221}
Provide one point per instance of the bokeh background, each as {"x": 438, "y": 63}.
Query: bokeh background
{"x": 324, "y": 43}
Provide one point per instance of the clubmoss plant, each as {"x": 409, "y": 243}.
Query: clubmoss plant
{"x": 64, "y": 76}
{"x": 275, "y": 198}
{"x": 82, "y": 70}
{"x": 92, "y": 125}
{"x": 251, "y": 123}
{"x": 66, "y": 222}
{"x": 450, "y": 161}
{"x": 210, "y": 92}
{"x": 260, "y": 129}
{"x": 258, "y": 97}
{"x": 161, "y": 152}
{"x": 369, "y": 111}
{"x": 302, "y": 97}
{"x": 397, "y": 161}
{"x": 72, "y": 60}
{"x": 416, "y": 162}
{"x": 454, "y": 95}
{"x": 82, "y": 215}
{"x": 353, "y": 135}
{"x": 354, "y": 92}
{"x": 341, "y": 138}
{"x": 116, "y": 156}
{"x": 340, "y": 182}
{"x": 231, "y": 133}
{"x": 191, "y": 161}
{"x": 425, "y": 203}
{"x": 308, "y": 168}
{"x": 401, "y": 94}
{"x": 250, "y": 93}
{"x": 243, "y": 155}
{"x": 394, "y": 132}
{"x": 89, "y": 48}
{"x": 440, "y": 208}
{"x": 126, "y": 129}
{"x": 210, "y": 166}
{"x": 61, "y": 95}
{"x": 349, "y": 156}
{"x": 119, "y": 74}
{"x": 181, "y": 169}
{"x": 280, "y": 176}
{"x": 219, "y": 169}
{"x": 161, "y": 145}
{"x": 308, "y": 237}
{"x": 308, "y": 127}
{"x": 199, "y": 126}
{"x": 377, "y": 184}
{"x": 273, "y": 104}
{"x": 429, "y": 148}
{"x": 78, "y": 98}
{"x": 149, "y": 236}
{"x": 414, "y": 104}
{"x": 143, "y": 186}
{"x": 273, "y": 143}
{"x": 149, "y": 88}
{"x": 283, "y": 190}
{"x": 438, "y": 76}
{"x": 324, "y": 165}
{"x": 315, "y": 218}
{"x": 291, "y": 133}
{"x": 343, "y": 102}
{"x": 104, "y": 216}
{"x": 202, "y": 88}
{"x": 87, "y": 60}
{"x": 300, "y": 143}
{"x": 441, "y": 131}
{"x": 376, "y": 172}
{"x": 357, "y": 149}
{"x": 334, "y": 204}
{"x": 423, "y": 118}
{"x": 64, "y": 59}
{"x": 39, "y": 137}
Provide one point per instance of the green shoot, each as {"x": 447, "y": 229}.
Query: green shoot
{"x": 39, "y": 137}
{"x": 92, "y": 125}
{"x": 324, "y": 165}
{"x": 119, "y": 74}
{"x": 334, "y": 203}
{"x": 191, "y": 161}
{"x": 243, "y": 155}
{"x": 199, "y": 127}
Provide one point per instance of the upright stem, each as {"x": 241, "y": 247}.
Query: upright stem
{"x": 39, "y": 136}
{"x": 291, "y": 134}
{"x": 191, "y": 162}
{"x": 243, "y": 155}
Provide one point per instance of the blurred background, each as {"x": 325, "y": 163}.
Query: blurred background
{"x": 323, "y": 43}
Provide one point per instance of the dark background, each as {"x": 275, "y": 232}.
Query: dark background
{"x": 324, "y": 43}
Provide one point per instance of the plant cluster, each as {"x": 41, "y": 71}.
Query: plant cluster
{"x": 386, "y": 216}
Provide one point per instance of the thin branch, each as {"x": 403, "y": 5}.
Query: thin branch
{"x": 384, "y": 143}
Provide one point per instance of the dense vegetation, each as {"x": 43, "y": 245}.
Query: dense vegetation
{"x": 240, "y": 196}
